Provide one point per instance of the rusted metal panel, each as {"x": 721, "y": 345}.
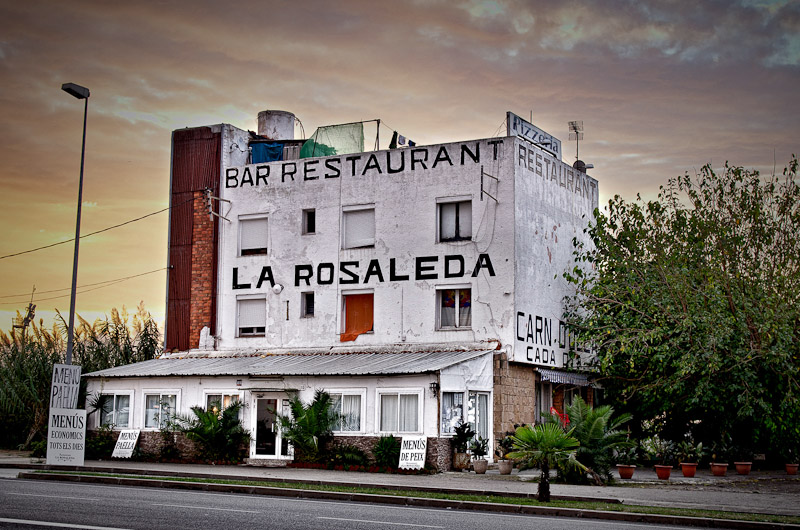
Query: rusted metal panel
{"x": 195, "y": 167}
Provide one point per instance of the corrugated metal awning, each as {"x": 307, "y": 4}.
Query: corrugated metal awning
{"x": 296, "y": 364}
{"x": 569, "y": 378}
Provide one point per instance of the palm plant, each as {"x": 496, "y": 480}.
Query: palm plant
{"x": 219, "y": 435}
{"x": 599, "y": 434}
{"x": 545, "y": 446}
{"x": 310, "y": 427}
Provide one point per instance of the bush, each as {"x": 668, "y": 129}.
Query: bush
{"x": 100, "y": 444}
{"x": 387, "y": 451}
{"x": 348, "y": 455}
{"x": 220, "y": 436}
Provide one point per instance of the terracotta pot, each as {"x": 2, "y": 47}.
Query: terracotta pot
{"x": 505, "y": 466}
{"x": 626, "y": 470}
{"x": 480, "y": 466}
{"x": 461, "y": 461}
{"x": 719, "y": 470}
{"x": 663, "y": 472}
{"x": 688, "y": 469}
{"x": 791, "y": 469}
{"x": 743, "y": 468}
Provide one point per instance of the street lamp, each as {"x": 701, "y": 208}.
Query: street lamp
{"x": 80, "y": 93}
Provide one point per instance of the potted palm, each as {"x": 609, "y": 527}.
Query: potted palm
{"x": 479, "y": 447}
{"x": 461, "y": 437}
{"x": 690, "y": 456}
{"x": 626, "y": 461}
{"x": 504, "y": 446}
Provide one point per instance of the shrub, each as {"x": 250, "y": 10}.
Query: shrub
{"x": 219, "y": 436}
{"x": 310, "y": 427}
{"x": 387, "y": 451}
{"x": 348, "y": 455}
{"x": 100, "y": 444}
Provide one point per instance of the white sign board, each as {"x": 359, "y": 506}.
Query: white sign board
{"x": 412, "y": 452}
{"x": 66, "y": 437}
{"x": 65, "y": 387}
{"x": 125, "y": 444}
{"x": 518, "y": 127}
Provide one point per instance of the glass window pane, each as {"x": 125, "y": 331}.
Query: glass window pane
{"x": 351, "y": 410}
{"x": 465, "y": 220}
{"x": 447, "y": 309}
{"x": 447, "y": 221}
{"x": 151, "y": 409}
{"x": 464, "y": 308}
{"x": 122, "y": 407}
{"x": 452, "y": 411}
{"x": 389, "y": 412}
{"x": 106, "y": 409}
{"x": 167, "y": 408}
{"x": 408, "y": 413}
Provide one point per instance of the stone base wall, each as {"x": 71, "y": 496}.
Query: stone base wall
{"x": 514, "y": 399}
{"x": 439, "y": 455}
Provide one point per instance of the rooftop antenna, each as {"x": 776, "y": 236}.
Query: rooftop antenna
{"x": 576, "y": 133}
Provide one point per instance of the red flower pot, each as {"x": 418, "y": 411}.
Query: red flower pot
{"x": 663, "y": 472}
{"x": 791, "y": 469}
{"x": 719, "y": 470}
{"x": 688, "y": 469}
{"x": 626, "y": 470}
{"x": 743, "y": 468}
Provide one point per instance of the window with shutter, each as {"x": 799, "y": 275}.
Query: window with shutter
{"x": 253, "y": 236}
{"x": 252, "y": 316}
{"x": 359, "y": 228}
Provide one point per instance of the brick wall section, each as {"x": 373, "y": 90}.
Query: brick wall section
{"x": 558, "y": 398}
{"x": 200, "y": 306}
{"x": 514, "y": 400}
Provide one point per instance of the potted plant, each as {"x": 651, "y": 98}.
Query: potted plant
{"x": 504, "y": 446}
{"x": 744, "y": 463}
{"x": 690, "y": 456}
{"x": 719, "y": 453}
{"x": 790, "y": 460}
{"x": 479, "y": 447}
{"x": 626, "y": 461}
{"x": 662, "y": 451}
{"x": 461, "y": 437}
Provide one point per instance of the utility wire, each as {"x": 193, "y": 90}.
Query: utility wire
{"x": 85, "y": 285}
{"x": 96, "y": 232}
{"x": 101, "y": 285}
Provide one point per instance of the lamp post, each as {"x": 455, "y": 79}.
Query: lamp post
{"x": 80, "y": 93}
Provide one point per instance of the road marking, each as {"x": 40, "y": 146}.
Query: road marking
{"x": 49, "y": 496}
{"x": 206, "y": 508}
{"x": 377, "y": 522}
{"x": 58, "y": 525}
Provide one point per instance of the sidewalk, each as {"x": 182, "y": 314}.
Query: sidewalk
{"x": 770, "y": 492}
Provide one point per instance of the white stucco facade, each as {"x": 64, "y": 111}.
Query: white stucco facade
{"x": 379, "y": 235}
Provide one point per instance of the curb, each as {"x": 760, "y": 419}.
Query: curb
{"x": 414, "y": 501}
{"x": 388, "y": 487}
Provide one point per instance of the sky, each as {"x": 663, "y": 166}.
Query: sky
{"x": 662, "y": 88}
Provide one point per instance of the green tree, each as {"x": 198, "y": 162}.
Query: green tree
{"x": 310, "y": 426}
{"x": 691, "y": 303}
{"x": 545, "y": 446}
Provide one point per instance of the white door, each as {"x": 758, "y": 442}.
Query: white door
{"x": 266, "y": 441}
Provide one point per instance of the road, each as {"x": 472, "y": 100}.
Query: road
{"x": 33, "y": 504}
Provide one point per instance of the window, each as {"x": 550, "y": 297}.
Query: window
{"x": 159, "y": 408}
{"x": 452, "y": 411}
{"x": 544, "y": 400}
{"x": 478, "y": 413}
{"x": 357, "y": 316}
{"x": 309, "y": 221}
{"x": 252, "y": 317}
{"x": 307, "y": 305}
{"x": 115, "y": 410}
{"x": 349, "y": 406}
{"x": 399, "y": 412}
{"x": 455, "y": 221}
{"x": 219, "y": 402}
{"x": 252, "y": 236}
{"x": 455, "y": 308}
{"x": 359, "y": 227}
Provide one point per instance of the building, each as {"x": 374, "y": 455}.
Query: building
{"x": 418, "y": 285}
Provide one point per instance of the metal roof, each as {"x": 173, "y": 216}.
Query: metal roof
{"x": 295, "y": 364}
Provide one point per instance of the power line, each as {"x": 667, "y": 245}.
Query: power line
{"x": 96, "y": 286}
{"x": 96, "y": 232}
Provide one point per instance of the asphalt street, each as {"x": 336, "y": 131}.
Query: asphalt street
{"x": 32, "y": 504}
